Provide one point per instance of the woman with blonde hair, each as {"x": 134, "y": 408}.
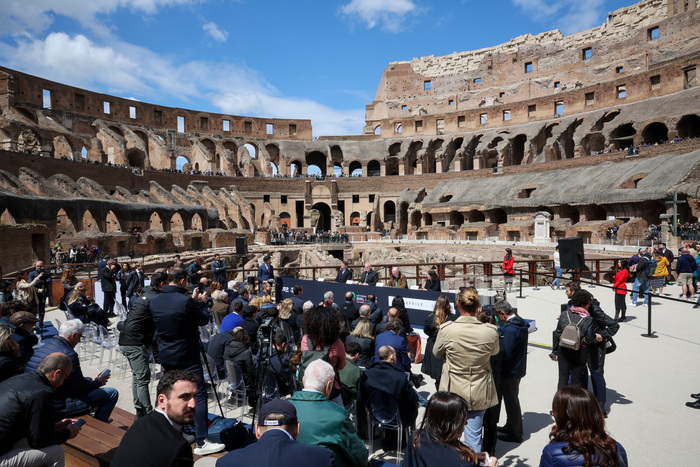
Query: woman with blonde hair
{"x": 84, "y": 307}
{"x": 68, "y": 280}
{"x": 288, "y": 317}
{"x": 362, "y": 334}
{"x": 432, "y": 366}
{"x": 466, "y": 344}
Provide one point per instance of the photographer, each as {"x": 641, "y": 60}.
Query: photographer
{"x": 43, "y": 289}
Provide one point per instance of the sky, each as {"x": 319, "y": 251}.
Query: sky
{"x": 306, "y": 59}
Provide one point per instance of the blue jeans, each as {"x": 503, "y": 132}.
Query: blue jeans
{"x": 640, "y": 287}
{"x": 556, "y": 282}
{"x": 472, "y": 431}
{"x": 103, "y": 400}
{"x": 201, "y": 410}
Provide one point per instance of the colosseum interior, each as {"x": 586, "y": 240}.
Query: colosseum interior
{"x": 595, "y": 129}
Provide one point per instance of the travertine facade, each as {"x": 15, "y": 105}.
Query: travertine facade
{"x": 501, "y": 134}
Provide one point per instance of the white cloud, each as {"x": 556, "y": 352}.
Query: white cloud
{"x": 215, "y": 32}
{"x": 568, "y": 15}
{"x": 389, "y": 13}
{"x": 120, "y": 69}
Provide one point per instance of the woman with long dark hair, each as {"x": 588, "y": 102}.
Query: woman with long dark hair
{"x": 322, "y": 327}
{"x": 437, "y": 441}
{"x": 578, "y": 437}
{"x": 432, "y": 366}
{"x": 399, "y": 304}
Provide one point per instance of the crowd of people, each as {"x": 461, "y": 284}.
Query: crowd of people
{"x": 336, "y": 361}
{"x": 303, "y": 237}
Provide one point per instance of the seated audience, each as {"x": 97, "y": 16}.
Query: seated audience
{"x": 578, "y": 436}
{"x": 9, "y": 354}
{"x": 351, "y": 374}
{"x": 219, "y": 308}
{"x": 392, "y": 338}
{"x": 238, "y": 351}
{"x": 25, "y": 323}
{"x": 438, "y": 441}
{"x": 234, "y": 318}
{"x": 364, "y": 315}
{"x": 84, "y": 307}
{"x": 324, "y": 423}
{"x": 78, "y": 395}
{"x": 362, "y": 336}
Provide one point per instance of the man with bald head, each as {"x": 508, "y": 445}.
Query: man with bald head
{"x": 383, "y": 376}
{"x": 397, "y": 279}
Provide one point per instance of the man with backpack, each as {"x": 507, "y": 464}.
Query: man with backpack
{"x": 643, "y": 272}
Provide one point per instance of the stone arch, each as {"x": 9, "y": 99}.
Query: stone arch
{"x": 389, "y": 211}
{"x": 196, "y": 166}
{"x": 593, "y": 142}
{"x": 337, "y": 156}
{"x": 143, "y": 137}
{"x": 654, "y": 133}
{"x": 456, "y": 218}
{"x": 517, "y": 152}
{"x": 355, "y": 169}
{"x": 117, "y": 130}
{"x": 66, "y": 223}
{"x": 594, "y": 212}
{"x": 429, "y": 159}
{"x": 295, "y": 168}
{"x": 316, "y": 159}
{"x": 112, "y": 223}
{"x": 567, "y": 211}
{"x": 155, "y": 222}
{"x": 374, "y": 169}
{"x": 177, "y": 223}
{"x": 623, "y": 136}
{"x": 273, "y": 152}
{"x": 89, "y": 222}
{"x": 136, "y": 158}
{"x": 567, "y": 138}
{"x": 378, "y": 130}
{"x": 427, "y": 219}
{"x": 197, "y": 222}
{"x": 476, "y": 216}
{"x": 688, "y": 126}
{"x": 498, "y": 216}
{"x": 470, "y": 152}
{"x": 27, "y": 113}
{"x": 395, "y": 149}
{"x": 651, "y": 210}
{"x": 209, "y": 144}
{"x": 286, "y": 219}
{"x": 183, "y": 163}
{"x": 355, "y": 218}
{"x": 29, "y": 142}
{"x": 392, "y": 166}
{"x": 324, "y": 216}
{"x": 411, "y": 159}
{"x": 403, "y": 217}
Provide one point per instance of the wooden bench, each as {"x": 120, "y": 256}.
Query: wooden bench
{"x": 98, "y": 441}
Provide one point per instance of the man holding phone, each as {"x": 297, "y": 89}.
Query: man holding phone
{"x": 27, "y": 434}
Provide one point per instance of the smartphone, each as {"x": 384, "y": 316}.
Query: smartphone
{"x": 104, "y": 373}
{"x": 79, "y": 422}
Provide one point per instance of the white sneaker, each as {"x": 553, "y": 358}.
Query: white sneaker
{"x": 189, "y": 438}
{"x": 631, "y": 304}
{"x": 209, "y": 447}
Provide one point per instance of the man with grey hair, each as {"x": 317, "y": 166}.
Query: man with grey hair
{"x": 324, "y": 423}
{"x": 28, "y": 435}
{"x": 79, "y": 395}
{"x": 369, "y": 276}
{"x": 513, "y": 333}
{"x": 365, "y": 312}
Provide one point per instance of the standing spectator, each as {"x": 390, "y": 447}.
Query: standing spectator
{"x": 344, "y": 274}
{"x": 101, "y": 265}
{"x": 432, "y": 366}
{"x": 135, "y": 342}
{"x": 507, "y": 268}
{"x": 26, "y": 291}
{"x": 432, "y": 282}
{"x": 437, "y": 441}
{"x": 108, "y": 277}
{"x": 572, "y": 363}
{"x": 266, "y": 272}
{"x": 467, "y": 344}
{"x": 578, "y": 436}
{"x": 177, "y": 318}
{"x": 620, "y": 288}
{"x": 659, "y": 277}
{"x": 28, "y": 435}
{"x": 397, "y": 279}
{"x": 194, "y": 272}
{"x": 79, "y": 394}
{"x": 218, "y": 268}
{"x": 669, "y": 256}
{"x": 513, "y": 330}
{"x": 135, "y": 281}
{"x": 685, "y": 266}
{"x": 369, "y": 276}
{"x": 122, "y": 277}
{"x": 557, "y": 269}
{"x": 641, "y": 281}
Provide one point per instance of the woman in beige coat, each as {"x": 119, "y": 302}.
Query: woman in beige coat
{"x": 466, "y": 345}
{"x": 26, "y": 290}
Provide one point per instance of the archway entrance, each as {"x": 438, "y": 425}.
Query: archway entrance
{"x": 323, "y": 212}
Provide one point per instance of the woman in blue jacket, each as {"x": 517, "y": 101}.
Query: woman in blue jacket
{"x": 578, "y": 437}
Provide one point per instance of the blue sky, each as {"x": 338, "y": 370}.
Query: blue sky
{"x": 288, "y": 59}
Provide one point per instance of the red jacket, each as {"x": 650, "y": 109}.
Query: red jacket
{"x": 620, "y": 281}
{"x": 508, "y": 265}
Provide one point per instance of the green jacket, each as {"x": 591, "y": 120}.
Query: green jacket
{"x": 350, "y": 376}
{"x": 324, "y": 423}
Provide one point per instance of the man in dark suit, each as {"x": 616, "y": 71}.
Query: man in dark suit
{"x": 43, "y": 289}
{"x": 369, "y": 276}
{"x": 156, "y": 439}
{"x": 135, "y": 280}
{"x": 364, "y": 313}
{"x": 385, "y": 377}
{"x": 218, "y": 268}
{"x": 348, "y": 310}
{"x": 344, "y": 274}
{"x": 297, "y": 301}
{"x": 266, "y": 272}
{"x": 392, "y": 338}
{"x": 277, "y": 430}
{"x": 108, "y": 277}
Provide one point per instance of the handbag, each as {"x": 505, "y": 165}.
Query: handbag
{"x": 610, "y": 345}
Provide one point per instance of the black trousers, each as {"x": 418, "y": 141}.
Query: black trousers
{"x": 572, "y": 364}
{"x": 109, "y": 302}
{"x": 514, "y": 414}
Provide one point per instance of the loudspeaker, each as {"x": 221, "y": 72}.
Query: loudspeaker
{"x": 571, "y": 253}
{"x": 241, "y": 246}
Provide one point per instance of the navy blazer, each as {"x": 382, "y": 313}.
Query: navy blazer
{"x": 134, "y": 281}
{"x": 344, "y": 275}
{"x": 265, "y": 274}
{"x": 385, "y": 377}
{"x": 400, "y": 345}
{"x": 369, "y": 277}
{"x": 276, "y": 448}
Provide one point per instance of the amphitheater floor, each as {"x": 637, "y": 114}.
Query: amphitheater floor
{"x": 649, "y": 380}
